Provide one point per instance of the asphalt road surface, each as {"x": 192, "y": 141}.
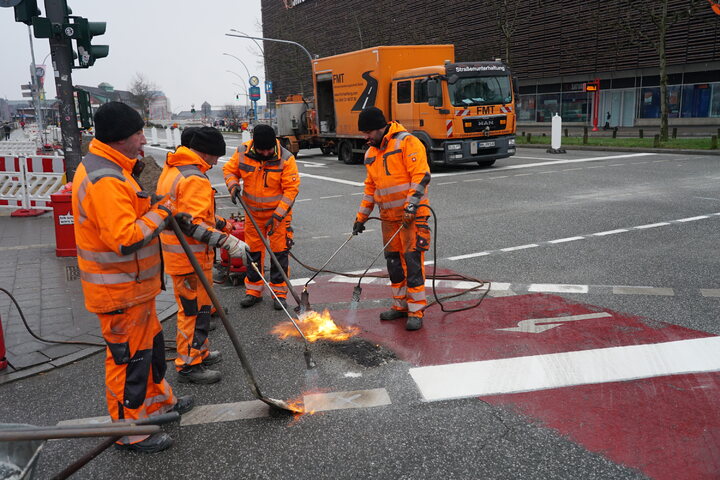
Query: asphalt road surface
{"x": 594, "y": 354}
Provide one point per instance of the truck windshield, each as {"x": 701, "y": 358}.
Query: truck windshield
{"x": 468, "y": 91}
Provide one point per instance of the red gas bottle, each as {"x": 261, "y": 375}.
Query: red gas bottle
{"x": 234, "y": 267}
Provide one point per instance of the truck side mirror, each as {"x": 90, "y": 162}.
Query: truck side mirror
{"x": 434, "y": 93}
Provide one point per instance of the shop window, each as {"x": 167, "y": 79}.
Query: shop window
{"x": 526, "y": 108}
{"x": 403, "y": 92}
{"x": 650, "y": 102}
{"x": 547, "y": 106}
{"x": 715, "y": 101}
{"x": 696, "y": 100}
{"x": 574, "y": 107}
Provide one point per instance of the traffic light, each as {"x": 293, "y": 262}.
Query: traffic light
{"x": 83, "y": 32}
{"x": 25, "y": 11}
{"x": 83, "y": 102}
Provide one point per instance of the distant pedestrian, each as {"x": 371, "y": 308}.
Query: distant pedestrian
{"x": 22, "y": 124}
{"x": 7, "y": 129}
{"x": 607, "y": 122}
{"x": 116, "y": 229}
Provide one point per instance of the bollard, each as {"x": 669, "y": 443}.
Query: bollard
{"x": 674, "y": 132}
{"x": 556, "y": 138}
{"x": 615, "y": 132}
{"x": 656, "y": 141}
{"x": 523, "y": 134}
{"x": 529, "y": 137}
{"x": 154, "y": 137}
{"x": 641, "y": 133}
{"x": 177, "y": 138}
{"x": 566, "y": 132}
{"x": 713, "y": 142}
{"x": 168, "y": 138}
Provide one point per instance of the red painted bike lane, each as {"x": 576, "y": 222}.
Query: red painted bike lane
{"x": 667, "y": 426}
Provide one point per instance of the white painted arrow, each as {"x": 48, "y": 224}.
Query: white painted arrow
{"x": 539, "y": 325}
{"x": 312, "y": 164}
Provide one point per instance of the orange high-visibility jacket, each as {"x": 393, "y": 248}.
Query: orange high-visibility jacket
{"x": 183, "y": 178}
{"x": 397, "y": 174}
{"x": 115, "y": 229}
{"x": 269, "y": 185}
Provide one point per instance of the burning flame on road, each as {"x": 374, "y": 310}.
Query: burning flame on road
{"x": 316, "y": 327}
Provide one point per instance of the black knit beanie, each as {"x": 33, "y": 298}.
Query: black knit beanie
{"x": 263, "y": 137}
{"x": 207, "y": 140}
{"x": 186, "y": 135}
{"x": 116, "y": 121}
{"x": 371, "y": 118}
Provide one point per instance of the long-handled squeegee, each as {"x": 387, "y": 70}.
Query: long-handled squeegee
{"x": 280, "y": 404}
{"x": 305, "y": 296}
{"x": 357, "y": 291}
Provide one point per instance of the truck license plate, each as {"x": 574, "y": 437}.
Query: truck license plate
{"x": 485, "y": 144}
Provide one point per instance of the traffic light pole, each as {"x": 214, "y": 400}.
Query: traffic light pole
{"x": 62, "y": 57}
{"x": 35, "y": 90}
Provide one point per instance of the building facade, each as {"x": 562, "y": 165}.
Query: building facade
{"x": 554, "y": 49}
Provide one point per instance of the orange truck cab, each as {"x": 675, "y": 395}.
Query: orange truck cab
{"x": 462, "y": 112}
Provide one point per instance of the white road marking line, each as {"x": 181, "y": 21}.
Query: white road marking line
{"x": 445, "y": 183}
{"x": 331, "y": 196}
{"x": 652, "y": 225}
{"x": 540, "y": 325}
{"x": 669, "y": 292}
{"x": 571, "y": 169}
{"x": 321, "y": 236}
{"x": 541, "y": 372}
{"x": 609, "y": 232}
{"x": 303, "y": 200}
{"x": 596, "y": 166}
{"x": 296, "y": 282}
{"x": 225, "y": 412}
{"x": 522, "y": 174}
{"x": 692, "y": 219}
{"x": 529, "y": 158}
{"x": 358, "y": 193}
{"x": 521, "y": 247}
{"x": 568, "y": 239}
{"x": 549, "y": 171}
{"x": 557, "y": 288}
{"x": 469, "y": 255}
{"x": 330, "y": 179}
{"x": 710, "y": 292}
{"x": 498, "y": 176}
{"x": 541, "y": 164}
{"x": 478, "y": 179}
{"x": 322, "y": 402}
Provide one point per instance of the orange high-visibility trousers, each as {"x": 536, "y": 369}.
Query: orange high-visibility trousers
{"x": 405, "y": 257}
{"x": 193, "y": 319}
{"x": 135, "y": 384}
{"x": 280, "y": 242}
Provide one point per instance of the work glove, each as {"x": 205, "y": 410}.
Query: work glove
{"x": 167, "y": 206}
{"x": 234, "y": 192}
{"x": 358, "y": 227}
{"x": 236, "y": 248}
{"x": 271, "y": 225}
{"x": 184, "y": 220}
{"x": 409, "y": 215}
{"x": 223, "y": 225}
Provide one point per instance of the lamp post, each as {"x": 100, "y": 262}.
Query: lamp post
{"x": 243, "y": 63}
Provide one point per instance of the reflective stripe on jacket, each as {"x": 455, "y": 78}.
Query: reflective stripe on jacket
{"x": 268, "y": 185}
{"x": 397, "y": 174}
{"x": 115, "y": 231}
{"x": 183, "y": 178}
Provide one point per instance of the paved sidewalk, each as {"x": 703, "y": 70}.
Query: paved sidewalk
{"x": 48, "y": 290}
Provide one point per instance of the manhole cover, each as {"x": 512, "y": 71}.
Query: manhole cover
{"x": 72, "y": 273}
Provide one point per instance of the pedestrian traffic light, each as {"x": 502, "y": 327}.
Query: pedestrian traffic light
{"x": 83, "y": 31}
{"x": 25, "y": 11}
{"x": 84, "y": 108}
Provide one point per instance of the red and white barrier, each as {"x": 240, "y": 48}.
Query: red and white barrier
{"x": 28, "y": 182}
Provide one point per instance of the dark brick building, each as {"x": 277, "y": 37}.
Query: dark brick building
{"x": 553, "y": 48}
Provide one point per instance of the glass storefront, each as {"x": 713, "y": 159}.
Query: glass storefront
{"x": 699, "y": 100}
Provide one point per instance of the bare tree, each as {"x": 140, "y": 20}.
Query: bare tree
{"x": 232, "y": 116}
{"x": 144, "y": 92}
{"x": 662, "y": 18}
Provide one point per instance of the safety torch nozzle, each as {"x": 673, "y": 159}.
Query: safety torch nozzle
{"x": 309, "y": 362}
{"x": 357, "y": 291}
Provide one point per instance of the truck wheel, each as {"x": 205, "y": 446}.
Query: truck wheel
{"x": 345, "y": 153}
{"x": 486, "y": 163}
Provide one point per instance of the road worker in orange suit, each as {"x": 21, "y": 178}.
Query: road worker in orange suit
{"x": 270, "y": 183}
{"x": 397, "y": 179}
{"x": 184, "y": 181}
{"x": 117, "y": 224}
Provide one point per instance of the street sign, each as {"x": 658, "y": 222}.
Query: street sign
{"x": 254, "y": 81}
{"x": 254, "y": 93}
{"x": 268, "y": 87}
{"x": 251, "y": 113}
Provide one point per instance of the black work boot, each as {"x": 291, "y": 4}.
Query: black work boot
{"x": 278, "y": 305}
{"x": 413, "y": 323}
{"x": 212, "y": 325}
{"x": 198, "y": 374}
{"x": 184, "y": 404}
{"x": 212, "y": 358}
{"x": 249, "y": 300}
{"x": 157, "y": 442}
{"x": 393, "y": 314}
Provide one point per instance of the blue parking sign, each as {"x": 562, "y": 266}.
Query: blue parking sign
{"x": 268, "y": 87}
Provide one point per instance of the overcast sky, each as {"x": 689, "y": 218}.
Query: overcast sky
{"x": 176, "y": 44}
